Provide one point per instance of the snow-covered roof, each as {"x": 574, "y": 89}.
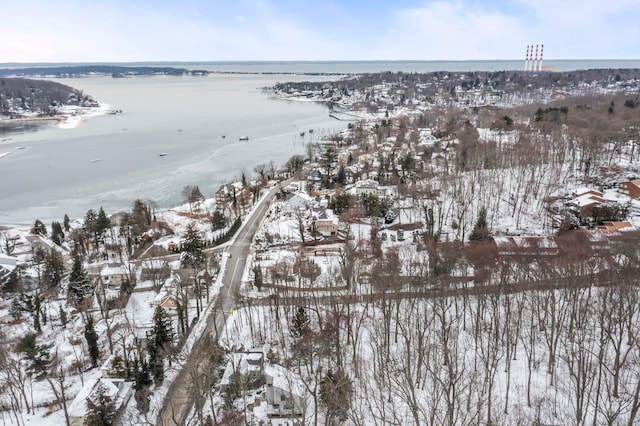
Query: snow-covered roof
{"x": 367, "y": 182}
{"x": 8, "y": 260}
{"x": 578, "y": 192}
{"x": 243, "y": 363}
{"x": 587, "y": 200}
{"x": 117, "y": 389}
{"x": 616, "y": 227}
{"x": 285, "y": 379}
{"x": 112, "y": 269}
{"x": 139, "y": 309}
{"x": 169, "y": 289}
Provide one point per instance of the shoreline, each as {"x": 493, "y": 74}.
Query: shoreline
{"x": 69, "y": 118}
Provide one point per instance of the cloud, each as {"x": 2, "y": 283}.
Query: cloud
{"x": 452, "y": 31}
{"x": 171, "y": 30}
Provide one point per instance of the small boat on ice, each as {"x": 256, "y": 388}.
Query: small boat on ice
{"x": 244, "y": 138}
{"x": 95, "y": 160}
{"x": 163, "y": 154}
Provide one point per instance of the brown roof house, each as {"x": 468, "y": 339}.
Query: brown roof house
{"x": 585, "y": 199}
{"x": 611, "y": 227}
{"x": 630, "y": 188}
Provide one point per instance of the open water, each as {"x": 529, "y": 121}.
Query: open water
{"x": 111, "y": 160}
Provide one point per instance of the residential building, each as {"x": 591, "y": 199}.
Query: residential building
{"x": 117, "y": 389}
{"x": 630, "y": 188}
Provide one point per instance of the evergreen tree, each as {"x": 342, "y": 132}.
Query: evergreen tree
{"x": 92, "y": 340}
{"x": 101, "y": 408}
{"x": 78, "y": 280}
{"x": 192, "y": 247}
{"x": 157, "y": 369}
{"x": 90, "y": 220}
{"x": 53, "y": 268}
{"x": 340, "y": 203}
{"x": 102, "y": 223}
{"x": 160, "y": 343}
{"x": 39, "y": 228}
{"x": 140, "y": 218}
{"x": 66, "y": 224}
{"x": 258, "y": 279}
{"x": 57, "y": 235}
{"x": 342, "y": 176}
{"x": 162, "y": 334}
{"x": 480, "y": 231}
{"x": 372, "y": 205}
{"x": 37, "y": 356}
{"x": 142, "y": 379}
{"x": 16, "y": 309}
{"x": 300, "y": 326}
{"x": 218, "y": 221}
{"x": 328, "y": 159}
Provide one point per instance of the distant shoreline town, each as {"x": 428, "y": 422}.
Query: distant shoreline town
{"x": 127, "y": 71}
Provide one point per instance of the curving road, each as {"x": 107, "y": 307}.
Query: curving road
{"x": 179, "y": 400}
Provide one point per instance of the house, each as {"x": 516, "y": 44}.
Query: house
{"x": 315, "y": 178}
{"x": 611, "y": 227}
{"x": 244, "y": 367}
{"x": 586, "y": 199}
{"x": 630, "y": 188}
{"x": 579, "y": 192}
{"x": 326, "y": 224}
{"x": 226, "y": 193}
{"x": 294, "y": 187}
{"x": 300, "y": 201}
{"x": 167, "y": 297}
{"x": 117, "y": 389}
{"x": 352, "y": 173}
{"x": 114, "y": 274}
{"x": 286, "y": 395}
{"x": 369, "y": 187}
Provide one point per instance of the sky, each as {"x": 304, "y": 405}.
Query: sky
{"x": 315, "y": 30}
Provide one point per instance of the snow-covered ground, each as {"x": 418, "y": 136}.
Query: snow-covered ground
{"x": 74, "y": 115}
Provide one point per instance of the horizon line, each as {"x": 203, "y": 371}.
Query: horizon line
{"x": 267, "y": 61}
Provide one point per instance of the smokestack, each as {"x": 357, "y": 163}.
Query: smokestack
{"x": 526, "y": 60}
{"x": 540, "y": 64}
{"x": 535, "y": 61}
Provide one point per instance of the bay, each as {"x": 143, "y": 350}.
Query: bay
{"x": 111, "y": 160}
{"x": 51, "y": 171}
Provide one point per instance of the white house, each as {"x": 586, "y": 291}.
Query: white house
{"x": 117, "y": 389}
{"x": 327, "y": 223}
{"x": 113, "y": 274}
{"x": 369, "y": 187}
{"x": 286, "y": 395}
{"x": 295, "y": 186}
{"x": 300, "y": 201}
